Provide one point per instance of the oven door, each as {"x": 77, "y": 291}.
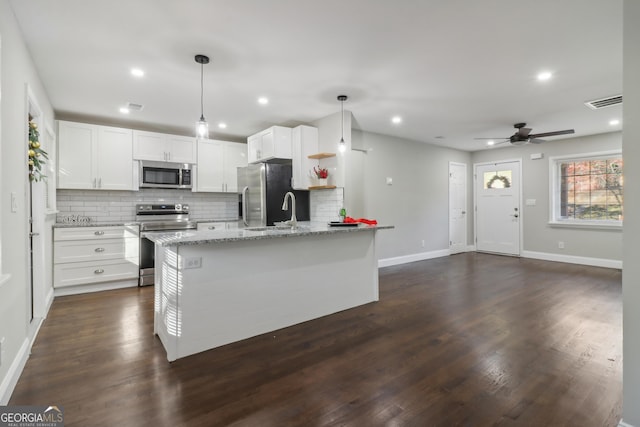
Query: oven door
{"x": 147, "y": 260}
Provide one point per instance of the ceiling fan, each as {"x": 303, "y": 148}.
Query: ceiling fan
{"x": 523, "y": 135}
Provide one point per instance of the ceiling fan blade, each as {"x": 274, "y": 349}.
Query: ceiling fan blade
{"x": 523, "y": 132}
{"x": 558, "y": 132}
{"x": 536, "y": 141}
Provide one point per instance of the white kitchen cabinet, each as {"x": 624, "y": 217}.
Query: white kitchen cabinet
{"x": 304, "y": 143}
{"x": 272, "y": 143}
{"x": 92, "y": 255}
{"x": 162, "y": 147}
{"x": 94, "y": 157}
{"x": 217, "y": 165}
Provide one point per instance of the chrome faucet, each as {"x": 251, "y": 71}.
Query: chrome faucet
{"x": 285, "y": 205}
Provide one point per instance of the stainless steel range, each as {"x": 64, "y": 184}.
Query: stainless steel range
{"x": 158, "y": 217}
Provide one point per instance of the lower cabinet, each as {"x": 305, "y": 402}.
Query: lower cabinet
{"x": 89, "y": 255}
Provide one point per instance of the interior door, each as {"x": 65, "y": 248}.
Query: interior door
{"x": 457, "y": 207}
{"x": 498, "y": 207}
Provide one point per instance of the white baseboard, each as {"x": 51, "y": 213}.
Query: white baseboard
{"x": 98, "y": 287}
{"x": 14, "y": 372}
{"x": 48, "y": 301}
{"x": 623, "y": 424}
{"x": 471, "y": 248}
{"x": 571, "y": 259}
{"x": 387, "y": 262}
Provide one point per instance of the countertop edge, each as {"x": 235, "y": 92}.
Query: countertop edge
{"x": 254, "y": 235}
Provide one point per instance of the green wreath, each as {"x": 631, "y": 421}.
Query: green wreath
{"x": 504, "y": 180}
{"x": 36, "y": 154}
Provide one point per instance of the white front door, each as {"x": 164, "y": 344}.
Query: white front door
{"x": 457, "y": 207}
{"x": 498, "y": 207}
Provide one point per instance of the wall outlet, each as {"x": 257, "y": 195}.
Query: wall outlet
{"x": 192, "y": 262}
{"x": 560, "y": 245}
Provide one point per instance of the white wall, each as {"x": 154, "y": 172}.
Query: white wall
{"x": 17, "y": 71}
{"x": 631, "y": 271}
{"x": 417, "y": 202}
{"x": 538, "y": 236}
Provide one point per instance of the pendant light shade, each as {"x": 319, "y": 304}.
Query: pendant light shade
{"x": 342, "y": 146}
{"x": 202, "y": 127}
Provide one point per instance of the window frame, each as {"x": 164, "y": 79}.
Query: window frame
{"x": 554, "y": 192}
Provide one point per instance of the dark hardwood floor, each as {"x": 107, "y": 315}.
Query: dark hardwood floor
{"x": 466, "y": 340}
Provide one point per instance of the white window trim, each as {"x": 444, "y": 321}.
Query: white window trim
{"x": 554, "y": 196}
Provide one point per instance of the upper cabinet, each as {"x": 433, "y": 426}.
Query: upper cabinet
{"x": 94, "y": 157}
{"x": 272, "y": 143}
{"x": 304, "y": 144}
{"x": 161, "y": 147}
{"x": 217, "y": 165}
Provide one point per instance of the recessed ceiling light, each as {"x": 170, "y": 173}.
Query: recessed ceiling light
{"x": 263, "y": 100}
{"x": 137, "y": 72}
{"x": 545, "y": 75}
{"x": 396, "y": 120}
{"x": 124, "y": 110}
{"x": 614, "y": 122}
{"x": 490, "y": 142}
{"x": 222, "y": 125}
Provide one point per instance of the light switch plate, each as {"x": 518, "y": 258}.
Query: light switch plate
{"x": 14, "y": 202}
{"x": 389, "y": 180}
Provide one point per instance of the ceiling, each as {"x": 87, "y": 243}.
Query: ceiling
{"x": 452, "y": 69}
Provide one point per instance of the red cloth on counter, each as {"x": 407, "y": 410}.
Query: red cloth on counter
{"x": 350, "y": 220}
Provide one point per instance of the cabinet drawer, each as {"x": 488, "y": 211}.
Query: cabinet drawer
{"x": 82, "y": 273}
{"x": 95, "y": 233}
{"x": 96, "y": 249}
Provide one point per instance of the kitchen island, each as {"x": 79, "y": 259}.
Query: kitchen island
{"x": 216, "y": 287}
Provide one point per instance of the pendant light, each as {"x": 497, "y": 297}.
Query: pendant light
{"x": 342, "y": 146}
{"x": 202, "y": 127}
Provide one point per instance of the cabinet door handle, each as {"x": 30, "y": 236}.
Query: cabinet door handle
{"x": 99, "y": 233}
{"x": 99, "y": 249}
{"x": 94, "y": 183}
{"x": 99, "y": 182}
{"x": 99, "y": 271}
{"x": 212, "y": 227}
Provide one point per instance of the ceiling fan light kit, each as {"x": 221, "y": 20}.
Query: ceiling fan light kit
{"x": 524, "y": 136}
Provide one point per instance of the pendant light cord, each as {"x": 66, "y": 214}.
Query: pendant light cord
{"x": 342, "y": 116}
{"x": 201, "y": 91}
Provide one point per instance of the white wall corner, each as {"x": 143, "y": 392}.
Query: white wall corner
{"x": 13, "y": 374}
{"x": 623, "y": 424}
{"x": 387, "y": 262}
{"x": 571, "y": 259}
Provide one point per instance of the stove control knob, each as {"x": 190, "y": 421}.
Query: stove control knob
{"x": 178, "y": 207}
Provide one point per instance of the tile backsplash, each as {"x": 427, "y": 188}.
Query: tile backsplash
{"x": 325, "y": 205}
{"x": 119, "y": 206}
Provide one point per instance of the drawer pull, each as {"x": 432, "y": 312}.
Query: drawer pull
{"x": 99, "y": 249}
{"x": 212, "y": 227}
{"x": 99, "y": 271}
{"x": 99, "y": 233}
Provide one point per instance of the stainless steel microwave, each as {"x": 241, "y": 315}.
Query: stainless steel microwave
{"x": 165, "y": 175}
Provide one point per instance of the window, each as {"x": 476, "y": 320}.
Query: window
{"x": 587, "y": 190}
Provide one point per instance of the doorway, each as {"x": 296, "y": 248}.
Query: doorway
{"x": 457, "y": 207}
{"x": 498, "y": 208}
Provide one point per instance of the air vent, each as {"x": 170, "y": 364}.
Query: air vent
{"x": 610, "y": 101}
{"x": 134, "y": 107}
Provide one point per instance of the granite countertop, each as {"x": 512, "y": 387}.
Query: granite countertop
{"x": 192, "y": 237}
{"x": 127, "y": 223}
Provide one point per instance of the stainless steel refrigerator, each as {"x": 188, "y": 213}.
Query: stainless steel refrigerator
{"x": 262, "y": 188}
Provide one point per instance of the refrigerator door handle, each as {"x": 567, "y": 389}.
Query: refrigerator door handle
{"x": 244, "y": 205}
